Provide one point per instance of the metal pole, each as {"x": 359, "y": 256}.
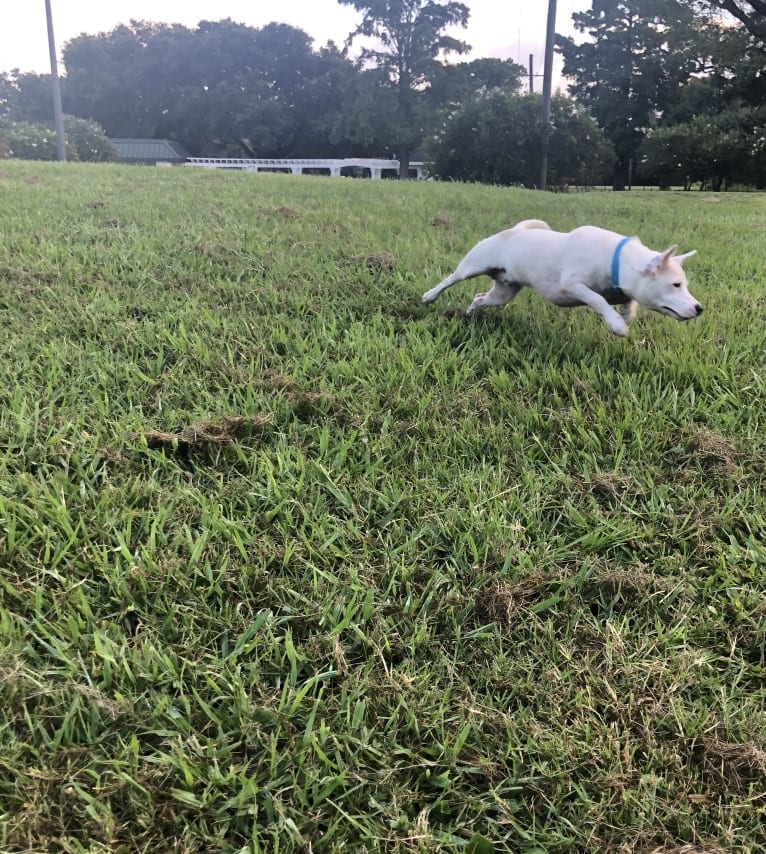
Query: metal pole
{"x": 531, "y": 73}
{"x": 547, "y": 84}
{"x": 58, "y": 113}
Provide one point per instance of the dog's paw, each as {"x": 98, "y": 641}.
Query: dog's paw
{"x": 617, "y": 326}
{"x": 478, "y": 302}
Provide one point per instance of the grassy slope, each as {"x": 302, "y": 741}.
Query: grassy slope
{"x": 503, "y": 577}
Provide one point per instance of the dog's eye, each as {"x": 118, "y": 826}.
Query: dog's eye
{"x": 676, "y": 284}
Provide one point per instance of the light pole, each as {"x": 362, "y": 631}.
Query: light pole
{"x": 58, "y": 113}
{"x": 547, "y": 81}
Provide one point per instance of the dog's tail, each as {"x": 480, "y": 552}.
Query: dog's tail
{"x": 530, "y": 223}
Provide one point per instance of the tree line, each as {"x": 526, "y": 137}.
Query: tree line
{"x": 679, "y": 91}
{"x": 662, "y": 91}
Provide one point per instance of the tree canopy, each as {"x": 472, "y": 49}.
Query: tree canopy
{"x": 221, "y": 88}
{"x": 495, "y": 139}
{"x": 751, "y": 13}
{"x": 409, "y": 38}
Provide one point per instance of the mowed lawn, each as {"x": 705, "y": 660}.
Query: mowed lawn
{"x": 290, "y": 562}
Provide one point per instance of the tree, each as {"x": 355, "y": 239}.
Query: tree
{"x": 752, "y": 13}
{"x": 34, "y": 102}
{"x": 113, "y": 79}
{"x": 451, "y": 85}
{"x": 495, "y": 139}
{"x": 26, "y": 96}
{"x": 411, "y": 37}
{"x": 715, "y": 151}
{"x": 221, "y": 88}
{"x": 639, "y": 52}
{"x": 731, "y": 72}
{"x": 712, "y": 129}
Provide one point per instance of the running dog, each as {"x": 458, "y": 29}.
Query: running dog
{"x": 587, "y": 266}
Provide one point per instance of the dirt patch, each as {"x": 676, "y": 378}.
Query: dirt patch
{"x": 406, "y": 312}
{"x": 29, "y": 281}
{"x": 612, "y": 588}
{"x": 712, "y": 450}
{"x": 282, "y": 212}
{"x": 205, "y": 436}
{"x": 456, "y": 312}
{"x": 505, "y": 602}
{"x": 675, "y": 849}
{"x": 277, "y": 381}
{"x": 609, "y": 485}
{"x": 632, "y": 590}
{"x": 730, "y": 766}
{"x": 377, "y": 261}
{"x": 305, "y": 404}
{"x": 629, "y": 584}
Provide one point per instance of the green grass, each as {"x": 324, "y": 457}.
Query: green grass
{"x": 450, "y": 586}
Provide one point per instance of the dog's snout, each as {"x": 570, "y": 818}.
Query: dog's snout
{"x": 698, "y": 309}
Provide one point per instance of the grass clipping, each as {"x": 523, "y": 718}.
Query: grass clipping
{"x": 207, "y": 435}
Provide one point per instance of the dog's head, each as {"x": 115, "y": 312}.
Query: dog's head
{"x": 664, "y": 287}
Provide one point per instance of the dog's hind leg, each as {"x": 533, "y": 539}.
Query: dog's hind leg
{"x": 474, "y": 264}
{"x": 452, "y": 279}
{"x": 628, "y": 312}
{"x": 501, "y": 293}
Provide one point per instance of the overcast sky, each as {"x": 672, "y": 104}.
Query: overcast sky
{"x": 502, "y": 28}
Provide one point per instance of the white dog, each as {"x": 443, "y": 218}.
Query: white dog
{"x": 588, "y": 266}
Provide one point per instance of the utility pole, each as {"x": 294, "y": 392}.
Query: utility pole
{"x": 58, "y": 113}
{"x": 547, "y": 83}
{"x": 532, "y": 74}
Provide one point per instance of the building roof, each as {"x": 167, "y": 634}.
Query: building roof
{"x": 149, "y": 150}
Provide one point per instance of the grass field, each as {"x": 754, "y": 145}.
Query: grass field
{"x": 289, "y": 562}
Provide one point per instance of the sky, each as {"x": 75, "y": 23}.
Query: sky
{"x": 500, "y": 28}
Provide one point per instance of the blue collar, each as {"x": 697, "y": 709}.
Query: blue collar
{"x": 616, "y": 263}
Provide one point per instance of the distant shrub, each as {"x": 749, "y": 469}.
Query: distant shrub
{"x": 85, "y": 140}
{"x": 28, "y": 140}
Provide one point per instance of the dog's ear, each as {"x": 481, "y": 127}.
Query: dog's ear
{"x": 659, "y": 261}
{"x": 679, "y": 259}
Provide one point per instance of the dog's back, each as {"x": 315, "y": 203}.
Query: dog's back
{"x": 530, "y": 223}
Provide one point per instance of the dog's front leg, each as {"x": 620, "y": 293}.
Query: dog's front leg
{"x": 578, "y": 292}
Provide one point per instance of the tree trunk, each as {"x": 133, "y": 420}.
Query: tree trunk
{"x": 621, "y": 174}
{"x": 404, "y": 164}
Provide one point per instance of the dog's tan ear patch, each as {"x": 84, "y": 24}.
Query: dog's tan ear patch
{"x": 660, "y": 260}
{"x": 667, "y": 255}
